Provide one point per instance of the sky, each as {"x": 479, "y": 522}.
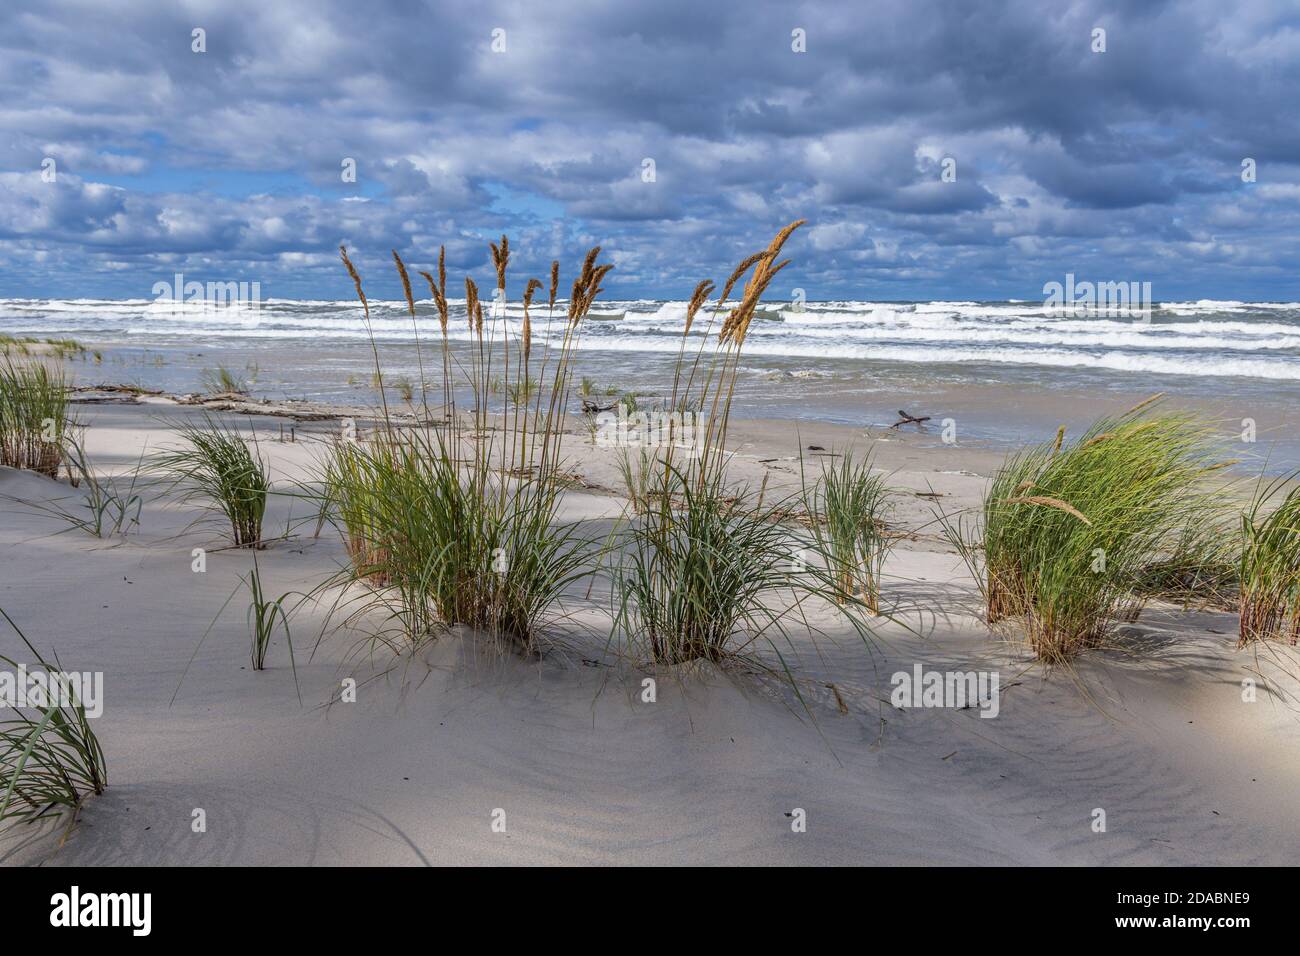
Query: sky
{"x": 939, "y": 150}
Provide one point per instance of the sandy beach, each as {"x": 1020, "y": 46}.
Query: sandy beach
{"x": 562, "y": 749}
{"x": 677, "y": 435}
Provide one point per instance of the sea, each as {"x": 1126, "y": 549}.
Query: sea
{"x": 1005, "y": 372}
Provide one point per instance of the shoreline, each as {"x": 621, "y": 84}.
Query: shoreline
{"x": 996, "y": 406}
{"x": 985, "y": 451}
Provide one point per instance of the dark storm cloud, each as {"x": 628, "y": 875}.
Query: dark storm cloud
{"x": 1118, "y": 164}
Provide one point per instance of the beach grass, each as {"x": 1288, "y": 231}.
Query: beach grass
{"x": 705, "y": 570}
{"x": 49, "y": 755}
{"x": 458, "y": 524}
{"x": 587, "y": 388}
{"x": 224, "y": 380}
{"x": 29, "y": 345}
{"x": 637, "y": 469}
{"x": 1201, "y": 568}
{"x": 34, "y": 416}
{"x": 106, "y": 507}
{"x": 847, "y": 504}
{"x": 223, "y": 471}
{"x": 404, "y": 388}
{"x": 1270, "y": 564}
{"x": 265, "y": 615}
{"x": 1070, "y": 531}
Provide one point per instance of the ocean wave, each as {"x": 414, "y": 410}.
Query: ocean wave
{"x": 1195, "y": 366}
{"x": 1204, "y": 337}
{"x": 890, "y": 318}
{"x": 1121, "y": 338}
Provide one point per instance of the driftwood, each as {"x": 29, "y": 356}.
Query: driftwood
{"x": 593, "y": 408}
{"x": 907, "y": 419}
{"x": 116, "y": 389}
{"x": 106, "y": 400}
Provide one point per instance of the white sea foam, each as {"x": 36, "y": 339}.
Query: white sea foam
{"x": 1195, "y": 338}
{"x": 1279, "y": 369}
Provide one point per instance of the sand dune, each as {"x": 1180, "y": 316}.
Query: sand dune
{"x": 1153, "y": 731}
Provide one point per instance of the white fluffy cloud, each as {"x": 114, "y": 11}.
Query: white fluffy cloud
{"x": 1124, "y": 162}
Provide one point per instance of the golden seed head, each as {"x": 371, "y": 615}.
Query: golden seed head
{"x": 1056, "y": 503}
{"x": 587, "y": 286}
{"x": 406, "y": 283}
{"x": 740, "y": 270}
{"x": 500, "y": 259}
{"x": 356, "y": 279}
{"x": 471, "y": 300}
{"x": 529, "y": 291}
{"x": 439, "y": 300}
{"x": 698, "y": 298}
{"x": 737, "y": 324}
{"x": 1144, "y": 403}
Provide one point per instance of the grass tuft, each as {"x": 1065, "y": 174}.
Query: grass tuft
{"x": 847, "y": 504}
{"x": 704, "y": 570}
{"x": 1071, "y": 532}
{"x": 218, "y": 468}
{"x": 106, "y": 508}
{"x": 263, "y": 616}
{"x": 1270, "y": 565}
{"x": 452, "y": 525}
{"x": 226, "y": 381}
{"x": 49, "y": 755}
{"x": 34, "y": 419}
